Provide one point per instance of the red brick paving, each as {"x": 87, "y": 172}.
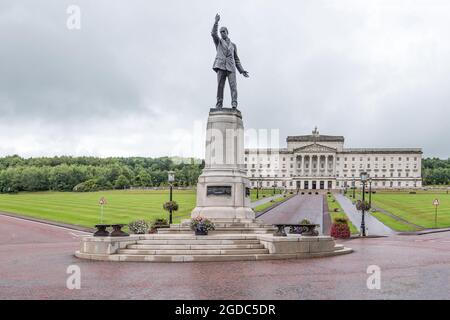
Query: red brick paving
{"x": 34, "y": 258}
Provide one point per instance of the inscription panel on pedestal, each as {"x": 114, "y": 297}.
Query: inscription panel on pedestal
{"x": 218, "y": 191}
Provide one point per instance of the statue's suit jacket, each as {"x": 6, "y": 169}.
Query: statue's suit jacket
{"x": 226, "y": 57}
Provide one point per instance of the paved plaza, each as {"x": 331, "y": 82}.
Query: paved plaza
{"x": 34, "y": 258}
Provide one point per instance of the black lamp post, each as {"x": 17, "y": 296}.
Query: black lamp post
{"x": 171, "y": 179}
{"x": 274, "y": 188}
{"x": 370, "y": 192}
{"x": 354, "y": 187}
{"x": 364, "y": 178}
{"x": 258, "y": 185}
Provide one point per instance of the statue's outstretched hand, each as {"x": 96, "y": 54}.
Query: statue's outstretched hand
{"x": 217, "y": 17}
{"x": 245, "y": 74}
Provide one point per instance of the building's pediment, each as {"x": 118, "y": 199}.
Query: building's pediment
{"x": 315, "y": 148}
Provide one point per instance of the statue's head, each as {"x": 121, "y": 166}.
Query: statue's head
{"x": 224, "y": 33}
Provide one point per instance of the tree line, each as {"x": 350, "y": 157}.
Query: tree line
{"x": 67, "y": 173}
{"x": 436, "y": 171}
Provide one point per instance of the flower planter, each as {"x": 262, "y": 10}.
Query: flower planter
{"x": 201, "y": 232}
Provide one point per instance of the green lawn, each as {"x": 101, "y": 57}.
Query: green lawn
{"x": 83, "y": 208}
{"x": 341, "y": 214}
{"x": 415, "y": 208}
{"x": 123, "y": 206}
{"x": 393, "y": 223}
{"x": 269, "y": 204}
{"x": 262, "y": 192}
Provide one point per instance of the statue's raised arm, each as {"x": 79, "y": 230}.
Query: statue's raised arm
{"x": 226, "y": 63}
{"x": 214, "y": 32}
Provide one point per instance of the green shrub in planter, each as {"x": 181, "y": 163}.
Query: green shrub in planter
{"x": 305, "y": 221}
{"x": 138, "y": 227}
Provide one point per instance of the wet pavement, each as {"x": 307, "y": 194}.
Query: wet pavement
{"x": 296, "y": 209}
{"x": 373, "y": 225}
{"x": 34, "y": 258}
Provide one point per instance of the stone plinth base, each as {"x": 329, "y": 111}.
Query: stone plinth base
{"x": 223, "y": 189}
{"x": 218, "y": 247}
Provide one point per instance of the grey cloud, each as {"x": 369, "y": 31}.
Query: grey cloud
{"x": 373, "y": 71}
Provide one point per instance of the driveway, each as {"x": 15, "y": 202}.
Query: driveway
{"x": 297, "y": 208}
{"x": 373, "y": 225}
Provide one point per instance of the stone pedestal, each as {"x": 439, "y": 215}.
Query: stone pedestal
{"x": 223, "y": 190}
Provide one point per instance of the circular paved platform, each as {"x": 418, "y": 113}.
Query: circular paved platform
{"x": 34, "y": 258}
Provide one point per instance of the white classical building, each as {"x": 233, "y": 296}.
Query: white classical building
{"x": 321, "y": 162}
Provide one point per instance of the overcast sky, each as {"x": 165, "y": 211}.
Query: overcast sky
{"x": 137, "y": 78}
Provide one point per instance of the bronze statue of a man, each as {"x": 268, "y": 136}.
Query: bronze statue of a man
{"x": 226, "y": 63}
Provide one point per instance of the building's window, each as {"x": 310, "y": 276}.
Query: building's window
{"x": 268, "y": 165}
{"x": 392, "y": 174}
{"x": 392, "y": 165}
{"x": 399, "y": 158}
{"x": 337, "y": 158}
{"x": 245, "y": 166}
{"x": 284, "y": 159}
{"x": 345, "y": 159}
{"x": 292, "y": 159}
{"x": 260, "y": 165}
{"x": 353, "y": 159}
{"x": 253, "y": 175}
{"x": 253, "y": 165}
{"x": 407, "y": 173}
{"x": 360, "y": 159}
{"x": 376, "y": 158}
{"x": 399, "y": 183}
{"x": 245, "y": 159}
{"x": 407, "y": 158}
{"x": 399, "y": 174}
{"x": 292, "y": 165}
{"x": 368, "y": 166}
{"x": 345, "y": 165}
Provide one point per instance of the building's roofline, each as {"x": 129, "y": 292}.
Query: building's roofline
{"x": 345, "y": 150}
{"x": 381, "y": 150}
{"x": 266, "y": 150}
{"x": 310, "y": 137}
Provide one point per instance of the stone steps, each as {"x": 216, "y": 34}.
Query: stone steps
{"x": 197, "y": 242}
{"x": 195, "y": 246}
{"x": 210, "y": 258}
{"x": 193, "y": 252}
{"x": 218, "y": 230}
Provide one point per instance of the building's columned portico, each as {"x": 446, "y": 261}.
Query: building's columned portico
{"x": 321, "y": 162}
